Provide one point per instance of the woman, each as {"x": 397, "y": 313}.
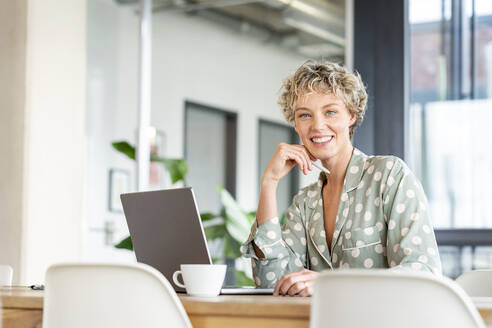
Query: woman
{"x": 369, "y": 212}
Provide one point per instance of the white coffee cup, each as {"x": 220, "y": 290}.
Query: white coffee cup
{"x": 201, "y": 279}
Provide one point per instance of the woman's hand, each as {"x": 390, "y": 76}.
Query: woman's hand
{"x": 300, "y": 282}
{"x": 284, "y": 159}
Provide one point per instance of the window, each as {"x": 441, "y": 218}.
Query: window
{"x": 210, "y": 151}
{"x": 450, "y": 118}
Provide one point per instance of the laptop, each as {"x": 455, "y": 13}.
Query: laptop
{"x": 167, "y": 231}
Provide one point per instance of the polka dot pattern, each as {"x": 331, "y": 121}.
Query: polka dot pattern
{"x": 382, "y": 222}
{"x": 391, "y": 224}
{"x": 378, "y": 248}
{"x": 400, "y": 208}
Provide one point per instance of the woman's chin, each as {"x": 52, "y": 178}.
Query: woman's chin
{"x": 322, "y": 155}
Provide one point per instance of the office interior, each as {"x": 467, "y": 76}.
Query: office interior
{"x": 70, "y": 81}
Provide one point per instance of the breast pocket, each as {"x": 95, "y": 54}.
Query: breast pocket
{"x": 360, "y": 238}
{"x": 364, "y": 249}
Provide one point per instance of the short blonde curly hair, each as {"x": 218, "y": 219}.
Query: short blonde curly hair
{"x": 324, "y": 77}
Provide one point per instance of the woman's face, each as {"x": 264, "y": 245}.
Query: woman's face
{"x": 322, "y": 122}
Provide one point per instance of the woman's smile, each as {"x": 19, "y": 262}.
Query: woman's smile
{"x": 322, "y": 141}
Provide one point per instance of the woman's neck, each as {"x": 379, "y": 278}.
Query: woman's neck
{"x": 338, "y": 166}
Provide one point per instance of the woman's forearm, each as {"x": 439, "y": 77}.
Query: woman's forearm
{"x": 267, "y": 205}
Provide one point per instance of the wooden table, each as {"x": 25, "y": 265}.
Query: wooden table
{"x": 23, "y": 307}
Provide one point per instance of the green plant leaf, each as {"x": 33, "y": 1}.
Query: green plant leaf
{"x": 215, "y": 231}
{"x": 242, "y": 279}
{"x": 125, "y": 148}
{"x": 237, "y": 223}
{"x": 177, "y": 168}
{"x": 208, "y": 216}
{"x": 283, "y": 218}
{"x": 231, "y": 247}
{"x": 125, "y": 244}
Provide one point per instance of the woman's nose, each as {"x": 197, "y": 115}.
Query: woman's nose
{"x": 318, "y": 122}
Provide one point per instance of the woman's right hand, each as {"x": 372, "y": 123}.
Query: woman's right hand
{"x": 285, "y": 158}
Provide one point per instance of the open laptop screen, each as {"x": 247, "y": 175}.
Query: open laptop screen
{"x": 166, "y": 229}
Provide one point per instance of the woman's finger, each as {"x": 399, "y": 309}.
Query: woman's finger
{"x": 283, "y": 280}
{"x": 305, "y": 158}
{"x": 291, "y": 279}
{"x": 299, "y": 160}
{"x": 305, "y": 154}
{"x": 296, "y": 288}
{"x": 308, "y": 290}
{"x": 309, "y": 155}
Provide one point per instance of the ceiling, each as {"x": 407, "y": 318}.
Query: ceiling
{"x": 312, "y": 28}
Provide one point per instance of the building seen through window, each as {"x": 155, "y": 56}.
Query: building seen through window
{"x": 450, "y": 117}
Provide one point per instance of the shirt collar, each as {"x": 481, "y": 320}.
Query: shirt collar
{"x": 354, "y": 173}
{"x": 355, "y": 170}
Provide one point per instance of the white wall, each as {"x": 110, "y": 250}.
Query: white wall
{"x": 193, "y": 59}
{"x": 42, "y": 106}
{"x": 13, "y": 17}
{"x": 54, "y": 134}
{"x": 198, "y": 60}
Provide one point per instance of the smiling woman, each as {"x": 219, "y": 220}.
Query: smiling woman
{"x": 369, "y": 212}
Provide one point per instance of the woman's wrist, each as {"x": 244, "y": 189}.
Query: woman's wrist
{"x": 268, "y": 183}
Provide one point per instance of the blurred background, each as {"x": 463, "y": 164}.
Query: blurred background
{"x": 69, "y": 113}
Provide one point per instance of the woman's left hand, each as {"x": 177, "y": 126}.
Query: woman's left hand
{"x": 300, "y": 282}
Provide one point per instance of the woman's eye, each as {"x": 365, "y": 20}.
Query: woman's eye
{"x": 304, "y": 115}
{"x": 330, "y": 112}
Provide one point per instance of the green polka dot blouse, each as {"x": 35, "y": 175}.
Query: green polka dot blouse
{"x": 382, "y": 222}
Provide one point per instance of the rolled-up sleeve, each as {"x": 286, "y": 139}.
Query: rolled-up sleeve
{"x": 411, "y": 243}
{"x": 284, "y": 247}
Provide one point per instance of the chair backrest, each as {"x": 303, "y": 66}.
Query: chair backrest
{"x": 477, "y": 283}
{"x": 110, "y": 295}
{"x": 6, "y": 273}
{"x": 384, "y": 299}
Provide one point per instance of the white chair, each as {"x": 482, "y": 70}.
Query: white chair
{"x": 6, "y": 273}
{"x": 477, "y": 283}
{"x": 385, "y": 299}
{"x": 110, "y": 295}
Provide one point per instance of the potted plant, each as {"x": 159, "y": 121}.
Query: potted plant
{"x": 230, "y": 227}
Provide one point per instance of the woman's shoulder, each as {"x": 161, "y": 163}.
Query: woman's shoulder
{"x": 386, "y": 163}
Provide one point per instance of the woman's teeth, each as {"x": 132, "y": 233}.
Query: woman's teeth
{"x": 321, "y": 140}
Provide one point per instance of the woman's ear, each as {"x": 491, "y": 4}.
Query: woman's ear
{"x": 353, "y": 118}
